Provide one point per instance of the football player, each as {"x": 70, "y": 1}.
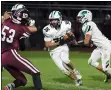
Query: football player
{"x": 13, "y": 29}
{"x": 57, "y": 34}
{"x": 95, "y": 36}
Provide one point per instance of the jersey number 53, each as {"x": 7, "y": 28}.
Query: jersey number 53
{"x": 7, "y": 37}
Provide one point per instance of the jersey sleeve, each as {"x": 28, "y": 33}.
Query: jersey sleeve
{"x": 26, "y": 31}
{"x": 47, "y": 34}
{"x": 87, "y": 29}
{"x": 68, "y": 25}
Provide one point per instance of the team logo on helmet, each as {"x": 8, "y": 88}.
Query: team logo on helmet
{"x": 84, "y": 15}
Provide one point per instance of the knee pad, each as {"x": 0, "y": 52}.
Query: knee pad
{"x": 92, "y": 63}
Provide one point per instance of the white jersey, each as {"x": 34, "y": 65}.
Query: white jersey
{"x": 97, "y": 37}
{"x": 51, "y": 33}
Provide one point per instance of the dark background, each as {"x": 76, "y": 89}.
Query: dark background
{"x": 40, "y": 11}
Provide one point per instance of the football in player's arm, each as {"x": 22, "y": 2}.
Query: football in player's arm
{"x": 66, "y": 38}
{"x": 56, "y": 36}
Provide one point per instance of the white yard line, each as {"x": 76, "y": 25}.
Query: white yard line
{"x": 72, "y": 85}
{"x": 63, "y": 85}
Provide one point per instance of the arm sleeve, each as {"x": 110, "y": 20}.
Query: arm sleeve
{"x": 26, "y": 31}
{"x": 47, "y": 36}
{"x": 88, "y": 30}
{"x": 68, "y": 23}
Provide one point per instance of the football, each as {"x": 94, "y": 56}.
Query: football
{"x": 68, "y": 35}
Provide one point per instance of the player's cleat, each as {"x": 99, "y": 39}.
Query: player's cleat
{"x": 108, "y": 76}
{"x": 78, "y": 82}
{"x": 9, "y": 87}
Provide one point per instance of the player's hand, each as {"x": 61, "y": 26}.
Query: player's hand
{"x": 68, "y": 37}
{"x": 31, "y": 22}
{"x": 5, "y": 16}
{"x": 90, "y": 44}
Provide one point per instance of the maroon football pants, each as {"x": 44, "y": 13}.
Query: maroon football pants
{"x": 14, "y": 63}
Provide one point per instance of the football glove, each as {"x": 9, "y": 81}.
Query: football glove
{"x": 31, "y": 22}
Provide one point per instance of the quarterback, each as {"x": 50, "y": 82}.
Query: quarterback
{"x": 56, "y": 36}
{"x": 95, "y": 36}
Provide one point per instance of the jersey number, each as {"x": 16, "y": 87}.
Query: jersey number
{"x": 10, "y": 38}
{"x": 46, "y": 29}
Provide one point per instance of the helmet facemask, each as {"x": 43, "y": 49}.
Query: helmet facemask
{"x": 55, "y": 23}
{"x": 55, "y": 19}
{"x": 20, "y": 16}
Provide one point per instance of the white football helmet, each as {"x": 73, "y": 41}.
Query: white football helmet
{"x": 17, "y": 6}
{"x": 84, "y": 15}
{"x": 55, "y": 18}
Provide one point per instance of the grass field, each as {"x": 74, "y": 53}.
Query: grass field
{"x": 54, "y": 79}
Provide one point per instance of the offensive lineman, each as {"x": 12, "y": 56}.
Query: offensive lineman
{"x": 56, "y": 34}
{"x": 103, "y": 50}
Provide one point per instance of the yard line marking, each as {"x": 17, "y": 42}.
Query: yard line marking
{"x": 72, "y": 85}
{"x": 64, "y": 85}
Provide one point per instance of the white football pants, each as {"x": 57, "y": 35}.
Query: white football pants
{"x": 103, "y": 54}
{"x": 60, "y": 55}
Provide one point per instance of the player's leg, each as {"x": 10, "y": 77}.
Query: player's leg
{"x": 93, "y": 60}
{"x": 106, "y": 64}
{"x": 20, "y": 79}
{"x": 26, "y": 66}
{"x": 56, "y": 56}
{"x": 64, "y": 55}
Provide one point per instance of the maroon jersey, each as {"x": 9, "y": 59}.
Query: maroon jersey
{"x": 11, "y": 33}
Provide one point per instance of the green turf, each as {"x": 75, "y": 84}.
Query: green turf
{"x": 54, "y": 79}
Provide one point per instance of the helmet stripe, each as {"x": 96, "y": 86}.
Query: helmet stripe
{"x": 16, "y": 5}
{"x": 53, "y": 13}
